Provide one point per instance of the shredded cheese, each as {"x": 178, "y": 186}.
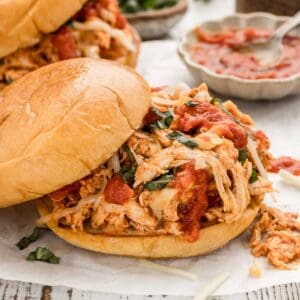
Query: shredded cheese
{"x": 64, "y": 212}
{"x": 97, "y": 24}
{"x": 290, "y": 178}
{"x": 165, "y": 102}
{"x": 91, "y": 52}
{"x": 206, "y": 291}
{"x": 149, "y": 264}
{"x": 255, "y": 270}
{"x": 252, "y": 149}
{"x": 114, "y": 163}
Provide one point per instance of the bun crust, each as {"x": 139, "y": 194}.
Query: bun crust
{"x": 62, "y": 121}
{"x": 23, "y": 22}
{"x": 163, "y": 246}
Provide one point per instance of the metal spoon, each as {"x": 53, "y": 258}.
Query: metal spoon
{"x": 269, "y": 52}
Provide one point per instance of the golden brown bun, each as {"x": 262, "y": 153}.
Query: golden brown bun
{"x": 23, "y": 22}
{"x": 62, "y": 121}
{"x": 163, "y": 246}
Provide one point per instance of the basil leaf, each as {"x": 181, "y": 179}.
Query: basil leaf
{"x": 181, "y": 138}
{"x": 165, "y": 120}
{"x": 129, "y": 152}
{"x": 27, "y": 240}
{"x": 254, "y": 176}
{"x": 191, "y": 103}
{"x": 128, "y": 173}
{"x": 243, "y": 156}
{"x": 159, "y": 183}
{"x": 44, "y": 255}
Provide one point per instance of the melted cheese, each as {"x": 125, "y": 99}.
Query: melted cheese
{"x": 97, "y": 24}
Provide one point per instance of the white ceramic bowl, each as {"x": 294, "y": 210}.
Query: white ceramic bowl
{"x": 228, "y": 85}
{"x": 153, "y": 24}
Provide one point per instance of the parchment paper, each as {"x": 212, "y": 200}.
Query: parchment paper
{"x": 85, "y": 270}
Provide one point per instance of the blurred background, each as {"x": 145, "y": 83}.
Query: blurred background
{"x": 170, "y": 18}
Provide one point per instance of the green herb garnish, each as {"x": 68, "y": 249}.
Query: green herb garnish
{"x": 181, "y": 138}
{"x": 44, "y": 255}
{"x": 160, "y": 183}
{"x": 128, "y": 173}
{"x": 165, "y": 120}
{"x": 243, "y": 156}
{"x": 254, "y": 176}
{"x": 129, "y": 152}
{"x": 27, "y": 240}
{"x": 191, "y": 103}
{"x": 131, "y": 6}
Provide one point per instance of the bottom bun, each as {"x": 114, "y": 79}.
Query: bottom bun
{"x": 162, "y": 246}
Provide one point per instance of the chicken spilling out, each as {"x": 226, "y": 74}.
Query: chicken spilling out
{"x": 188, "y": 167}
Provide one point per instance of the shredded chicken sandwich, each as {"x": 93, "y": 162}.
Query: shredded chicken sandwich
{"x": 196, "y": 162}
{"x": 98, "y": 30}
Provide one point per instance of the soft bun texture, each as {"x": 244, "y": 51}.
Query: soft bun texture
{"x": 163, "y": 246}
{"x": 62, "y": 121}
{"x": 23, "y": 22}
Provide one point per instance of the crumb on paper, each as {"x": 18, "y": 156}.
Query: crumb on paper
{"x": 277, "y": 236}
{"x": 255, "y": 270}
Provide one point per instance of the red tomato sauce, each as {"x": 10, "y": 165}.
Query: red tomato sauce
{"x": 207, "y": 116}
{"x": 117, "y": 191}
{"x": 65, "y": 43}
{"x": 190, "y": 212}
{"x": 286, "y": 163}
{"x": 223, "y": 53}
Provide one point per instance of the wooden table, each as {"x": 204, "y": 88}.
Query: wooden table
{"x": 28, "y": 291}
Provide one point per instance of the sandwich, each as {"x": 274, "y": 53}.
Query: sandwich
{"x": 119, "y": 168}
{"x": 32, "y": 36}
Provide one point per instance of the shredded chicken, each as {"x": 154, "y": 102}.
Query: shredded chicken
{"x": 155, "y": 184}
{"x": 277, "y": 236}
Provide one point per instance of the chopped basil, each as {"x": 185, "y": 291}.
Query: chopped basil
{"x": 254, "y": 176}
{"x": 165, "y": 120}
{"x": 44, "y": 255}
{"x": 128, "y": 173}
{"x": 129, "y": 152}
{"x": 181, "y": 138}
{"x": 27, "y": 240}
{"x": 159, "y": 183}
{"x": 243, "y": 156}
{"x": 191, "y": 103}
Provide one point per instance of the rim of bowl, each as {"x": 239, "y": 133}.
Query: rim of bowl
{"x": 181, "y": 6}
{"x": 187, "y": 58}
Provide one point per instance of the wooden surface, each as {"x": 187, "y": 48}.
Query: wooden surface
{"x": 13, "y": 290}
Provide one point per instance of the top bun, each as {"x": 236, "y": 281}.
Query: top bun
{"x": 61, "y": 121}
{"x": 23, "y": 22}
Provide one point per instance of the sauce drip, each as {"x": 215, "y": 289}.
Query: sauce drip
{"x": 286, "y": 163}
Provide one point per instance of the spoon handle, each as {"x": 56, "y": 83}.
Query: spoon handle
{"x": 287, "y": 26}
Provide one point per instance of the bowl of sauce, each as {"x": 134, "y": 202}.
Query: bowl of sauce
{"x": 216, "y": 52}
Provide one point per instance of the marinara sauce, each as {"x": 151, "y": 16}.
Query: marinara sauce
{"x": 226, "y": 53}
